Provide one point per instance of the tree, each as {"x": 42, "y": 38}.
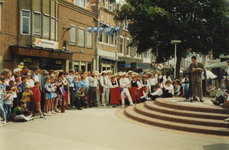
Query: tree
{"x": 201, "y": 25}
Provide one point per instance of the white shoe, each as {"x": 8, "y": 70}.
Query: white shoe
{"x": 53, "y": 112}
{"x": 49, "y": 113}
{"x": 227, "y": 120}
{"x": 4, "y": 122}
{"x": 45, "y": 114}
{"x": 132, "y": 104}
{"x": 123, "y": 106}
{"x": 1, "y": 125}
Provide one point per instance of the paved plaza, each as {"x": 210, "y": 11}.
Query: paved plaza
{"x": 97, "y": 128}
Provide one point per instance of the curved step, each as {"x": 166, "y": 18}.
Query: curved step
{"x": 164, "y": 103}
{"x": 207, "y": 115}
{"x": 131, "y": 113}
{"x": 182, "y": 119}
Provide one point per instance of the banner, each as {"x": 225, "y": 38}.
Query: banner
{"x": 96, "y": 29}
{"x": 89, "y": 29}
{"x": 101, "y": 30}
{"x": 160, "y": 66}
{"x": 109, "y": 31}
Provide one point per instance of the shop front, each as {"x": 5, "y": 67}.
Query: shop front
{"x": 44, "y": 58}
{"x": 107, "y": 63}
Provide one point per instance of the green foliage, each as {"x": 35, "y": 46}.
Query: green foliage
{"x": 201, "y": 25}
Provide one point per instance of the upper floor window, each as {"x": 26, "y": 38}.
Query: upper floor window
{"x": 81, "y": 3}
{"x": 113, "y": 38}
{"x": 89, "y": 39}
{"x": 135, "y": 52}
{"x": 122, "y": 45}
{"x": 81, "y": 37}
{"x": 111, "y": 5}
{"x": 124, "y": 24}
{"x": 25, "y": 22}
{"x": 46, "y": 26}
{"x": 101, "y": 38}
{"x": 146, "y": 54}
{"x": 72, "y": 33}
{"x": 107, "y": 38}
{"x": 53, "y": 28}
{"x": 128, "y": 48}
{"x": 106, "y": 4}
{"x": 37, "y": 24}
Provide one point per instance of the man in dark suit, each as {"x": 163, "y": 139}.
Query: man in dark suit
{"x": 38, "y": 77}
{"x": 195, "y": 70}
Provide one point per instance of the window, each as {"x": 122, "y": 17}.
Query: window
{"x": 113, "y": 38}
{"x": 139, "y": 55}
{"x": 57, "y": 30}
{"x": 146, "y": 54}
{"x": 111, "y": 5}
{"x": 77, "y": 2}
{"x": 128, "y": 48}
{"x": 81, "y": 37}
{"x": 72, "y": 38}
{"x": 135, "y": 52}
{"x": 53, "y": 28}
{"x": 101, "y": 38}
{"x": 107, "y": 38}
{"x": 25, "y": 22}
{"x": 46, "y": 26}
{"x": 81, "y": 3}
{"x": 37, "y": 24}
{"x": 124, "y": 25}
{"x": 106, "y": 4}
{"x": 127, "y": 23}
{"x": 89, "y": 39}
{"x": 121, "y": 45}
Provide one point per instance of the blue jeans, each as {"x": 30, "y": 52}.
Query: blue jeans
{"x": 72, "y": 94}
{"x": 28, "y": 105}
{"x": 3, "y": 114}
{"x": 7, "y": 108}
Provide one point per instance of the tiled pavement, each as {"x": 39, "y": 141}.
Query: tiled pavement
{"x": 98, "y": 128}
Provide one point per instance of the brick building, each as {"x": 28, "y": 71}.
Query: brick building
{"x": 8, "y": 31}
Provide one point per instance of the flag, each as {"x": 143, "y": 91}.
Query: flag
{"x": 118, "y": 28}
{"x": 89, "y": 29}
{"x": 96, "y": 29}
{"x": 109, "y": 31}
{"x": 101, "y": 30}
{"x": 160, "y": 66}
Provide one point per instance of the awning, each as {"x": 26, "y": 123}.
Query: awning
{"x": 108, "y": 58}
{"x": 40, "y": 52}
{"x": 124, "y": 64}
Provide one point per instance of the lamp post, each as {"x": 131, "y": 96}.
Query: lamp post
{"x": 175, "y": 55}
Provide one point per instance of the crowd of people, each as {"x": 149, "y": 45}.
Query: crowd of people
{"x": 25, "y": 91}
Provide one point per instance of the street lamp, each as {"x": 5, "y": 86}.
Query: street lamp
{"x": 175, "y": 55}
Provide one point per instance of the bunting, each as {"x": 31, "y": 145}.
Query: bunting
{"x": 96, "y": 29}
{"x": 109, "y": 30}
{"x": 101, "y": 30}
{"x": 118, "y": 29}
{"x": 89, "y": 29}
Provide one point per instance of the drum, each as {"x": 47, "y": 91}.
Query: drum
{"x": 185, "y": 88}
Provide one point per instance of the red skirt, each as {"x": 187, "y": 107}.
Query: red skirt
{"x": 133, "y": 93}
{"x": 119, "y": 94}
{"x": 66, "y": 96}
{"x": 114, "y": 96}
{"x": 140, "y": 94}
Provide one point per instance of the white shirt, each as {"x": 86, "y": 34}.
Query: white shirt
{"x": 124, "y": 82}
{"x": 138, "y": 83}
{"x": 36, "y": 78}
{"x": 159, "y": 92}
{"x": 104, "y": 81}
{"x": 177, "y": 88}
{"x": 169, "y": 88}
{"x": 30, "y": 83}
{"x": 113, "y": 86}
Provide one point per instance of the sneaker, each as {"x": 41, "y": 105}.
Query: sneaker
{"x": 57, "y": 110}
{"x": 53, "y": 112}
{"x": 73, "y": 106}
{"x": 132, "y": 104}
{"x": 123, "y": 106}
{"x": 227, "y": 120}
{"x": 45, "y": 114}
{"x": 49, "y": 113}
{"x": 4, "y": 122}
{"x": 1, "y": 125}
{"x": 42, "y": 116}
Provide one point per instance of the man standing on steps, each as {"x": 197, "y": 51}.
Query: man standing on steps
{"x": 195, "y": 70}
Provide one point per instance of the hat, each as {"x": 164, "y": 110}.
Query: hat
{"x": 134, "y": 76}
{"x": 109, "y": 71}
{"x": 124, "y": 74}
{"x": 103, "y": 72}
{"x": 27, "y": 87}
{"x": 113, "y": 76}
{"x": 144, "y": 76}
{"x": 46, "y": 73}
{"x": 119, "y": 74}
{"x": 130, "y": 71}
{"x": 22, "y": 101}
{"x": 96, "y": 73}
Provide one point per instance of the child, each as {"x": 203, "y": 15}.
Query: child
{"x": 37, "y": 97}
{"x": 21, "y": 87}
{"x": 152, "y": 82}
{"x": 157, "y": 92}
{"x": 21, "y": 113}
{"x": 3, "y": 115}
{"x": 27, "y": 96}
{"x": 14, "y": 93}
{"x": 48, "y": 96}
{"x": 168, "y": 90}
{"x": 8, "y": 102}
{"x": 74, "y": 88}
{"x": 145, "y": 96}
{"x": 3, "y": 84}
{"x": 177, "y": 88}
{"x": 17, "y": 80}
{"x": 54, "y": 94}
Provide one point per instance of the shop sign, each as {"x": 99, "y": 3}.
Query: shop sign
{"x": 46, "y": 43}
{"x": 58, "y": 62}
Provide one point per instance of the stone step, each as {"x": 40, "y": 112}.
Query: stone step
{"x": 182, "y": 119}
{"x": 190, "y": 107}
{"x": 131, "y": 113}
{"x": 151, "y": 105}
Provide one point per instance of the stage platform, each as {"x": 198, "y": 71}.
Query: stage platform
{"x": 179, "y": 115}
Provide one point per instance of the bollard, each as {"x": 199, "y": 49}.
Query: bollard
{"x": 63, "y": 105}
